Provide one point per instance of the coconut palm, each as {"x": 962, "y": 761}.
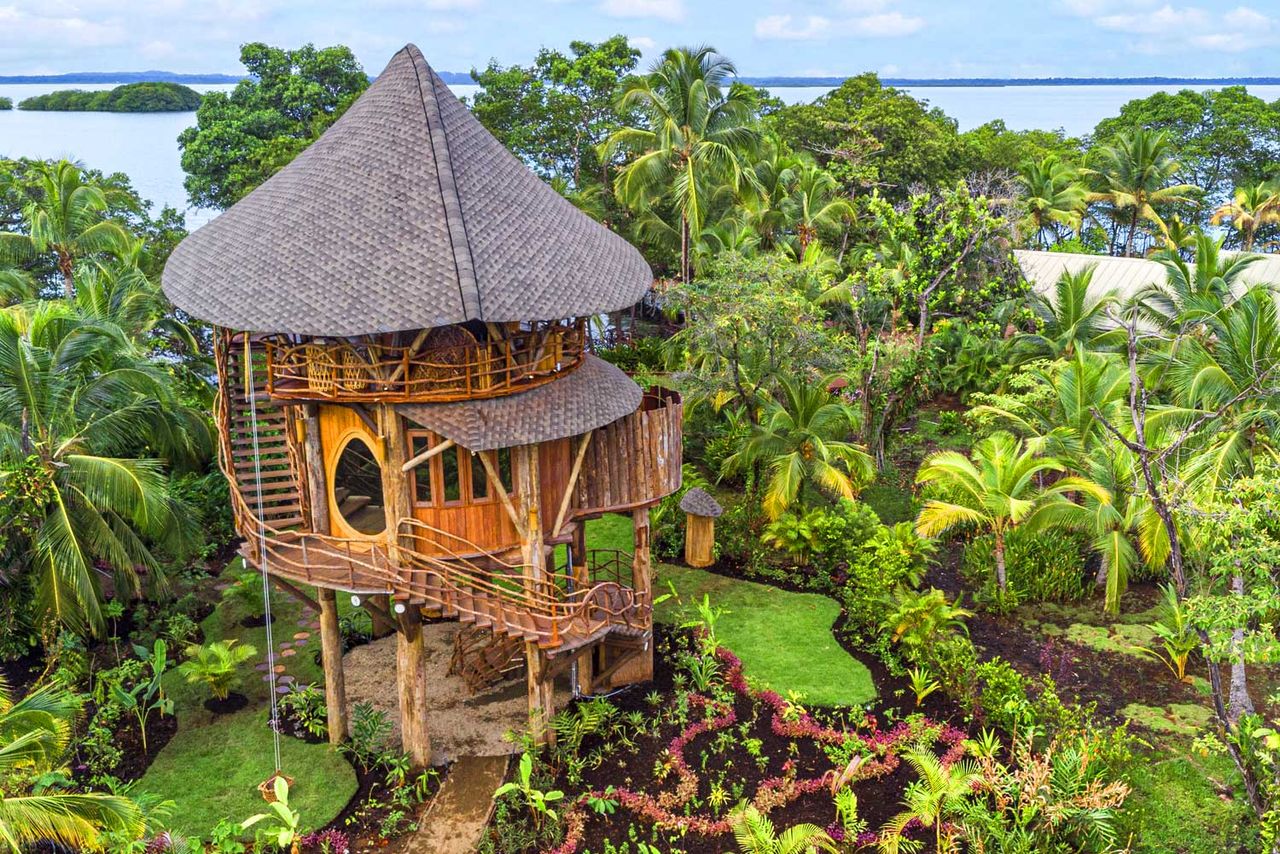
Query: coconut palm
{"x": 1234, "y": 371}
{"x": 695, "y": 130}
{"x": 998, "y": 489}
{"x": 1054, "y": 195}
{"x": 813, "y": 205}
{"x": 939, "y": 791}
{"x": 1135, "y": 174}
{"x": 755, "y": 834}
{"x": 1193, "y": 292}
{"x": 1250, "y": 208}
{"x": 79, "y": 406}
{"x": 34, "y": 734}
{"x": 802, "y": 441}
{"x": 1074, "y": 317}
{"x": 65, "y": 218}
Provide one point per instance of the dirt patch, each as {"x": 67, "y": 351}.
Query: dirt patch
{"x": 232, "y": 703}
{"x": 459, "y": 724}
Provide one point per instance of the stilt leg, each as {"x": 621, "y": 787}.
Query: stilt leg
{"x": 335, "y": 689}
{"x": 411, "y": 676}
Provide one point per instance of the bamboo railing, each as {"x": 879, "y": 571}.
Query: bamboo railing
{"x": 364, "y": 370}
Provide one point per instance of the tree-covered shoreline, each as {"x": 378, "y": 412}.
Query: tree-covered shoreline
{"x": 129, "y": 98}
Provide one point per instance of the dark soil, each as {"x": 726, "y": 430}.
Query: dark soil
{"x": 255, "y": 622}
{"x": 731, "y": 763}
{"x": 290, "y": 726}
{"x": 128, "y": 737}
{"x": 363, "y": 816}
{"x": 233, "y": 703}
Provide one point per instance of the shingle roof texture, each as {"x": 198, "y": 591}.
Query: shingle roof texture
{"x": 699, "y": 502}
{"x": 406, "y": 214}
{"x": 592, "y": 395}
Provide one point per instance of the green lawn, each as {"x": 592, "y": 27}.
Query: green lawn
{"x": 784, "y": 639}
{"x": 213, "y": 772}
{"x": 1177, "y": 805}
{"x": 212, "y": 767}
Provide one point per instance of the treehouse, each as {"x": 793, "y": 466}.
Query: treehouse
{"x": 409, "y": 410}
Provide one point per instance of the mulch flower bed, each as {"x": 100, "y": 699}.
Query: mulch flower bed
{"x": 784, "y": 759}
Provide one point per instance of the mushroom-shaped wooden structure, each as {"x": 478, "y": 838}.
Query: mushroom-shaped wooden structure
{"x": 409, "y": 411}
{"x": 701, "y": 512}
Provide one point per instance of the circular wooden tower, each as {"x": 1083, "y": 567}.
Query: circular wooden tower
{"x": 409, "y": 412}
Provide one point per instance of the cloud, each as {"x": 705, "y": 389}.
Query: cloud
{"x": 666, "y": 10}
{"x": 786, "y": 28}
{"x": 1173, "y": 29}
{"x": 819, "y": 28}
{"x": 21, "y": 28}
{"x": 643, "y": 43}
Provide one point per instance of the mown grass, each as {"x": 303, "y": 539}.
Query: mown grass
{"x": 1178, "y": 806}
{"x": 212, "y": 767}
{"x": 784, "y": 639}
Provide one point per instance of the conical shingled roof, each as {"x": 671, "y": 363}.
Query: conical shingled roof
{"x": 405, "y": 214}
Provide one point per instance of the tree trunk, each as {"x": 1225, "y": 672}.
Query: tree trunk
{"x": 923, "y": 302}
{"x": 685, "y": 272}
{"x": 1001, "y": 579}
{"x": 67, "y": 269}
{"x": 1133, "y": 232}
{"x": 1240, "y": 702}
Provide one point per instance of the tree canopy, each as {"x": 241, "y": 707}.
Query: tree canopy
{"x": 242, "y": 138}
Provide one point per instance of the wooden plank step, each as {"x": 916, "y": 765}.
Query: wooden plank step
{"x": 271, "y": 499}
{"x": 353, "y": 504}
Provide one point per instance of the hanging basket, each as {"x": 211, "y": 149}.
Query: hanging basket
{"x": 267, "y": 788}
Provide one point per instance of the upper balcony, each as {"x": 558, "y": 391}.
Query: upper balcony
{"x": 440, "y": 365}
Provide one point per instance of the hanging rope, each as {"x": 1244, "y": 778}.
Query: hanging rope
{"x": 251, "y": 394}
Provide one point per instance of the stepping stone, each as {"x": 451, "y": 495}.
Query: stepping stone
{"x": 263, "y": 666}
{"x": 283, "y": 689}
{"x": 285, "y": 653}
{"x": 284, "y": 644}
{"x": 286, "y": 679}
{"x": 301, "y": 636}
{"x": 279, "y": 668}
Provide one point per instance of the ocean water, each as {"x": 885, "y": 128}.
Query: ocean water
{"x": 144, "y": 145}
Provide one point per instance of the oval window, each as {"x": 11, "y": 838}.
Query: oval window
{"x": 357, "y": 488}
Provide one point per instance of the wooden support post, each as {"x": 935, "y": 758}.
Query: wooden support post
{"x": 335, "y": 688}
{"x": 640, "y": 667}
{"x": 395, "y": 483}
{"x": 524, "y": 460}
{"x": 313, "y": 452}
{"x": 582, "y": 580}
{"x": 379, "y": 608}
{"x": 411, "y": 684}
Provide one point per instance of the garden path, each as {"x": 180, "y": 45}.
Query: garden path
{"x": 460, "y": 811}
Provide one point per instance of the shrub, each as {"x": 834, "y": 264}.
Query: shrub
{"x": 1004, "y": 695}
{"x": 891, "y": 558}
{"x": 208, "y": 495}
{"x": 1043, "y": 566}
{"x": 216, "y": 665}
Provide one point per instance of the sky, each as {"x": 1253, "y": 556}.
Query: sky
{"x": 897, "y": 38}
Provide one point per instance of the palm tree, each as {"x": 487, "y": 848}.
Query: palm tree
{"x": 1250, "y": 208}
{"x": 802, "y": 440}
{"x": 995, "y": 491}
{"x": 755, "y": 834}
{"x": 814, "y": 204}
{"x": 1054, "y": 195}
{"x": 939, "y": 791}
{"x": 1192, "y": 293}
{"x": 65, "y": 218}
{"x": 1135, "y": 174}
{"x": 34, "y": 733}
{"x": 1074, "y": 317}
{"x": 693, "y": 138}
{"x": 78, "y": 406}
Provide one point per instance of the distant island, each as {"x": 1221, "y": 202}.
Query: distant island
{"x": 455, "y": 78}
{"x": 155, "y": 97}
{"x": 6, "y": 103}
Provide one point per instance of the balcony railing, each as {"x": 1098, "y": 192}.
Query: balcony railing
{"x": 424, "y": 371}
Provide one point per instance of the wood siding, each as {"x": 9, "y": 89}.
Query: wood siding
{"x": 635, "y": 461}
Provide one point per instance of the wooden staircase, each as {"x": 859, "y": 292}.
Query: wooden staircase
{"x": 281, "y": 505}
{"x": 486, "y": 593}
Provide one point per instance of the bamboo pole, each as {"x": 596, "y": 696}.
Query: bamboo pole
{"x": 572, "y": 484}
{"x": 428, "y": 454}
